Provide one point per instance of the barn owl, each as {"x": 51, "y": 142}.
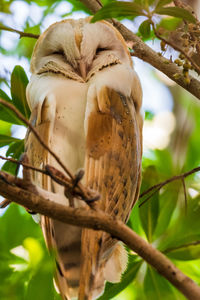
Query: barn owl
{"x": 85, "y": 99}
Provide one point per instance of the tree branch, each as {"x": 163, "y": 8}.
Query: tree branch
{"x": 21, "y": 33}
{"x": 177, "y": 48}
{"x": 60, "y": 178}
{"x": 145, "y": 53}
{"x": 99, "y": 220}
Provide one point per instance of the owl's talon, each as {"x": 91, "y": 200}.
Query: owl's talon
{"x": 92, "y": 200}
{"x": 92, "y": 197}
{"x": 78, "y": 176}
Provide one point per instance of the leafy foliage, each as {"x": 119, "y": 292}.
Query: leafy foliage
{"x": 25, "y": 265}
{"x": 19, "y": 82}
{"x": 26, "y": 268}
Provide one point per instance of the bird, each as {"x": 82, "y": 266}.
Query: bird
{"x": 85, "y": 99}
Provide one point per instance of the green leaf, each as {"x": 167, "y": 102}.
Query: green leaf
{"x": 149, "y": 211}
{"x": 150, "y": 2}
{"x": 149, "y": 115}
{"x": 9, "y": 167}
{"x": 19, "y": 82}
{"x": 5, "y": 7}
{"x": 156, "y": 286}
{"x": 40, "y": 285}
{"x": 168, "y": 202}
{"x": 189, "y": 251}
{"x": 118, "y": 9}
{"x": 6, "y": 114}
{"x": 134, "y": 221}
{"x": 5, "y": 128}
{"x": 26, "y": 45}
{"x": 164, "y": 164}
{"x": 15, "y": 226}
{"x": 15, "y": 150}
{"x": 169, "y": 23}
{"x": 145, "y": 29}
{"x": 4, "y": 96}
{"x": 33, "y": 247}
{"x": 177, "y": 12}
{"x": 112, "y": 290}
{"x": 192, "y": 111}
{"x": 6, "y": 140}
{"x": 185, "y": 228}
{"x": 162, "y": 3}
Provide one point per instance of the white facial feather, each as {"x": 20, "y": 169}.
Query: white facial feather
{"x": 59, "y": 45}
{"x": 104, "y": 40}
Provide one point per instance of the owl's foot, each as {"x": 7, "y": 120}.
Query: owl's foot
{"x": 72, "y": 187}
{"x": 94, "y": 196}
{"x": 78, "y": 176}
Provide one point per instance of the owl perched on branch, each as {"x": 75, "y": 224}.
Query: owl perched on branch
{"x": 85, "y": 99}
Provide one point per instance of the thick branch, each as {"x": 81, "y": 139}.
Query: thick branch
{"x": 101, "y": 221}
{"x": 144, "y": 52}
{"x": 21, "y": 33}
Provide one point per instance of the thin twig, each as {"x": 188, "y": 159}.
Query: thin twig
{"x": 179, "y": 3}
{"x": 195, "y": 243}
{"x": 185, "y": 193}
{"x": 158, "y": 186}
{"x": 21, "y": 33}
{"x": 23, "y": 164}
{"x": 177, "y": 48}
{"x": 155, "y": 190}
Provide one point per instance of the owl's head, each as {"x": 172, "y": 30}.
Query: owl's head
{"x": 80, "y": 45}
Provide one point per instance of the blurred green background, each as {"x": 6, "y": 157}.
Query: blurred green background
{"x": 171, "y": 146}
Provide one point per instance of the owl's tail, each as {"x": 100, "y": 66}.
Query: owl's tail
{"x": 91, "y": 278}
{"x": 99, "y": 263}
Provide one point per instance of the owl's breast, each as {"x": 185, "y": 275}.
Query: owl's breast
{"x": 68, "y": 138}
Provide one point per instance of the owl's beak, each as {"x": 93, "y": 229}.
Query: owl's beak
{"x": 82, "y": 68}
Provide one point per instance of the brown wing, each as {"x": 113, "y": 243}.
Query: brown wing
{"x": 42, "y": 117}
{"x": 113, "y": 158}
